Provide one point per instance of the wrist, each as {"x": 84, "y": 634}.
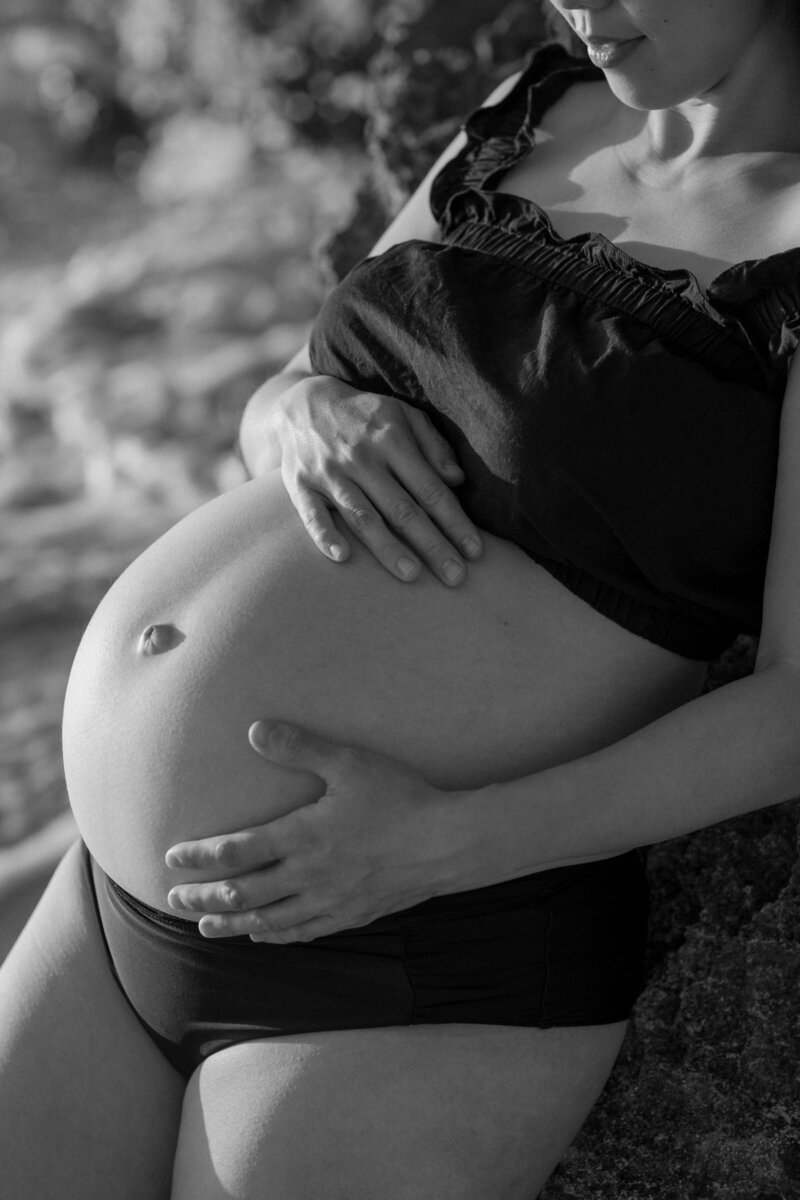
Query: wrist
{"x": 468, "y": 839}
{"x": 506, "y": 830}
{"x": 259, "y": 432}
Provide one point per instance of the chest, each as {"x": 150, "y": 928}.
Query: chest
{"x": 727, "y": 211}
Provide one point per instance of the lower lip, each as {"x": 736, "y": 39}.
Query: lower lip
{"x": 611, "y": 54}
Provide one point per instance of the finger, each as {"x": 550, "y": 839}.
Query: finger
{"x": 258, "y": 926}
{"x": 422, "y": 534}
{"x": 438, "y": 528}
{"x": 252, "y": 923}
{"x": 433, "y": 491}
{"x": 375, "y": 504}
{"x": 291, "y": 746}
{"x": 416, "y": 528}
{"x": 308, "y": 931}
{"x": 271, "y": 922}
{"x": 231, "y": 853}
{"x": 438, "y": 501}
{"x": 436, "y": 449}
{"x": 240, "y": 894}
{"x": 316, "y": 516}
{"x": 417, "y": 531}
{"x": 408, "y": 497}
{"x": 361, "y": 515}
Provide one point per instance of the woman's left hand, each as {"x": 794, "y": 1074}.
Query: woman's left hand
{"x": 378, "y": 839}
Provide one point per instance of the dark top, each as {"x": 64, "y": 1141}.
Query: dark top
{"x": 613, "y": 421}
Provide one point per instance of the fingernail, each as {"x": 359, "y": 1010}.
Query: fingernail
{"x": 471, "y": 547}
{"x": 172, "y": 858}
{"x": 451, "y": 467}
{"x": 336, "y": 552}
{"x": 407, "y": 567}
{"x": 173, "y": 900}
{"x": 452, "y": 570}
{"x": 259, "y": 733}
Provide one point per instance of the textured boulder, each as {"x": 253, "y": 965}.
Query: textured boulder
{"x": 705, "y": 1101}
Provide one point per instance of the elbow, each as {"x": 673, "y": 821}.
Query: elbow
{"x": 781, "y": 675}
{"x": 777, "y": 679}
{"x": 782, "y": 667}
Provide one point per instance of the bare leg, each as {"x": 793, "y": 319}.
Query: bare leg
{"x": 448, "y": 1112}
{"x": 89, "y": 1108}
{"x": 25, "y": 869}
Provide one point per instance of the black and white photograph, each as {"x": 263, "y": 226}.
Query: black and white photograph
{"x": 399, "y": 600}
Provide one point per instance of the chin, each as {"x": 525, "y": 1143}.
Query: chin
{"x": 648, "y": 94}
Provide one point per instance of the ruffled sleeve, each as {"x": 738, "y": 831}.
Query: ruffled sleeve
{"x": 763, "y": 299}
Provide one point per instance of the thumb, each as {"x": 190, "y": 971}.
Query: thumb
{"x": 291, "y": 746}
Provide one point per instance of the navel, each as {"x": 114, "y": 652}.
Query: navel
{"x": 157, "y": 639}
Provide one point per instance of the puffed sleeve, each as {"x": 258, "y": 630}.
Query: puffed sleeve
{"x": 763, "y": 299}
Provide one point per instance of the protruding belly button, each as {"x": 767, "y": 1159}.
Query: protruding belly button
{"x": 157, "y": 639}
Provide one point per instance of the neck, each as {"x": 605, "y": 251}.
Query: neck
{"x": 723, "y": 121}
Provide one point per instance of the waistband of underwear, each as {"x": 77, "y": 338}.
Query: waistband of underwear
{"x": 541, "y": 886}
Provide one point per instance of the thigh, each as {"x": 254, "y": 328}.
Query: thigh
{"x": 459, "y": 1112}
{"x": 89, "y": 1108}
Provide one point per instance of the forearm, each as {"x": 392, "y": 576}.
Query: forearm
{"x": 732, "y": 751}
{"x": 257, "y": 434}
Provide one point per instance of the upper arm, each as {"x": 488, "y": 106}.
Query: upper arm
{"x": 415, "y": 221}
{"x": 780, "y": 631}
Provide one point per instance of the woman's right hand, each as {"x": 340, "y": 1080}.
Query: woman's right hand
{"x": 383, "y": 468}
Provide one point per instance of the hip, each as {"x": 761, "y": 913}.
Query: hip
{"x": 564, "y": 947}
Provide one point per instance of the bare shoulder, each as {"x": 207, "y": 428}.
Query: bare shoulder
{"x": 585, "y": 106}
{"x": 415, "y": 220}
{"x": 503, "y": 89}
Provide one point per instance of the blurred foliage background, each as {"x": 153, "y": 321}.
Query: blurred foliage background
{"x": 180, "y": 182}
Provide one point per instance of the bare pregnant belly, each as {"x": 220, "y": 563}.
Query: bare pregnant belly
{"x": 489, "y": 681}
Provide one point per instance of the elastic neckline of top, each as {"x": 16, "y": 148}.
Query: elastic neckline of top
{"x": 704, "y": 335}
{"x": 492, "y": 152}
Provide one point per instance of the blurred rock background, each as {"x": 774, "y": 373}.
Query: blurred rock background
{"x": 180, "y": 182}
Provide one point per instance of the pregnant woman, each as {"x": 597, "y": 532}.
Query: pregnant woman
{"x": 449, "y": 917}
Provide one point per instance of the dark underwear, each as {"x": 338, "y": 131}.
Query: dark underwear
{"x": 562, "y": 947}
